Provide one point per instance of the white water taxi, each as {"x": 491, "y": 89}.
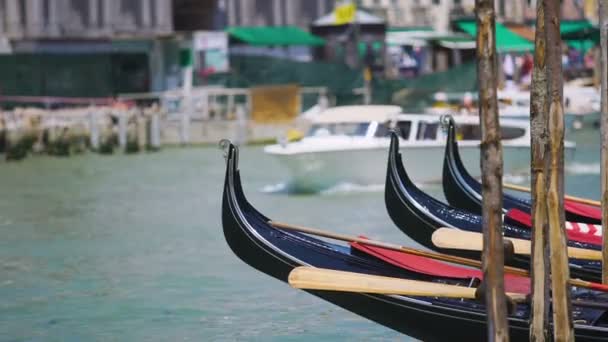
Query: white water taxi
{"x": 349, "y": 144}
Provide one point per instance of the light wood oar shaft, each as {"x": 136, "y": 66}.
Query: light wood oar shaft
{"x": 458, "y": 239}
{"x": 394, "y": 247}
{"x": 568, "y": 197}
{"x": 331, "y": 280}
{"x": 466, "y": 240}
{"x": 312, "y": 278}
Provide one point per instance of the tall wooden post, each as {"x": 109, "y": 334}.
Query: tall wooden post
{"x": 539, "y": 315}
{"x": 491, "y": 171}
{"x": 603, "y": 14}
{"x": 560, "y": 273}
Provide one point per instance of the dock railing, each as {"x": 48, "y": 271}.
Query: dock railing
{"x": 209, "y": 110}
{"x": 150, "y": 119}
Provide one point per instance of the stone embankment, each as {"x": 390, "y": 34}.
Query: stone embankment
{"x": 106, "y": 130}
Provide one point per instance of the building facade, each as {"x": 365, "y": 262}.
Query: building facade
{"x": 438, "y": 13}
{"x": 85, "y": 19}
{"x": 92, "y": 48}
{"x": 275, "y": 12}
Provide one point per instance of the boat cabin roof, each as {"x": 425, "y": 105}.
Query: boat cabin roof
{"x": 358, "y": 113}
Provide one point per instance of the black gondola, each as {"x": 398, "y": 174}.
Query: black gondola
{"x": 275, "y": 252}
{"x": 418, "y": 215}
{"x": 463, "y": 191}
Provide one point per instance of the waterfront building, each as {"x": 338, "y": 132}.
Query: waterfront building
{"x": 438, "y": 13}
{"x": 95, "y": 48}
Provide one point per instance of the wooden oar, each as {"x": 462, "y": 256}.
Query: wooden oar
{"x": 311, "y": 278}
{"x": 431, "y": 255}
{"x": 569, "y": 198}
{"x": 393, "y": 247}
{"x": 472, "y": 241}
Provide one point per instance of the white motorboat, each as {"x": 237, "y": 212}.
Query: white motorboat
{"x": 511, "y": 104}
{"x": 581, "y": 104}
{"x": 350, "y": 143}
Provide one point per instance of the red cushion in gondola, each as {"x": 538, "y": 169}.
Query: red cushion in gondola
{"x": 583, "y": 210}
{"x": 424, "y": 265}
{"x": 577, "y": 231}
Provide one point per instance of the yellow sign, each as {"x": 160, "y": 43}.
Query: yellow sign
{"x": 275, "y": 104}
{"x": 367, "y": 74}
{"x": 345, "y": 13}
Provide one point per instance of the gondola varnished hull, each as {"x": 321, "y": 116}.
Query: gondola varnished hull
{"x": 418, "y": 215}
{"x": 460, "y": 188}
{"x": 276, "y": 253}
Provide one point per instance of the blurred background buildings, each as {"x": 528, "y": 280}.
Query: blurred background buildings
{"x": 92, "y": 48}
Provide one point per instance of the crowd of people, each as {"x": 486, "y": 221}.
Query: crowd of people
{"x": 517, "y": 68}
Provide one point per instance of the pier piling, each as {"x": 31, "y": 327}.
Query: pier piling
{"x": 603, "y": 16}
{"x": 94, "y": 129}
{"x": 563, "y": 329}
{"x": 491, "y": 171}
{"x": 540, "y": 265}
{"x": 142, "y": 131}
{"x": 122, "y": 130}
{"x": 154, "y": 124}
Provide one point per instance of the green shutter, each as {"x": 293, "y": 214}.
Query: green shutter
{"x": 185, "y": 58}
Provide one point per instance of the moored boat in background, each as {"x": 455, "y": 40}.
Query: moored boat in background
{"x": 581, "y": 104}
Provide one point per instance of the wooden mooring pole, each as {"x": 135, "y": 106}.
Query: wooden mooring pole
{"x": 560, "y": 273}
{"x": 603, "y": 16}
{"x": 122, "y": 129}
{"x": 540, "y": 266}
{"x": 94, "y": 129}
{"x": 491, "y": 167}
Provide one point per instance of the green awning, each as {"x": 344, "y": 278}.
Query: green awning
{"x": 410, "y": 29}
{"x": 582, "y": 45}
{"x": 275, "y": 35}
{"x": 569, "y": 27}
{"x": 581, "y": 33}
{"x": 506, "y": 40}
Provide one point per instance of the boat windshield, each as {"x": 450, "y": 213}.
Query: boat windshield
{"x": 473, "y": 132}
{"x": 351, "y": 129}
{"x": 403, "y": 129}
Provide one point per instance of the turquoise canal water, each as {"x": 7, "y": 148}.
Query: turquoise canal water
{"x": 130, "y": 248}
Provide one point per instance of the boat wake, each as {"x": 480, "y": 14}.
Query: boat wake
{"x": 279, "y": 188}
{"x": 337, "y": 189}
{"x": 516, "y": 178}
{"x": 583, "y": 168}
{"x": 347, "y": 188}
{"x": 340, "y": 188}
